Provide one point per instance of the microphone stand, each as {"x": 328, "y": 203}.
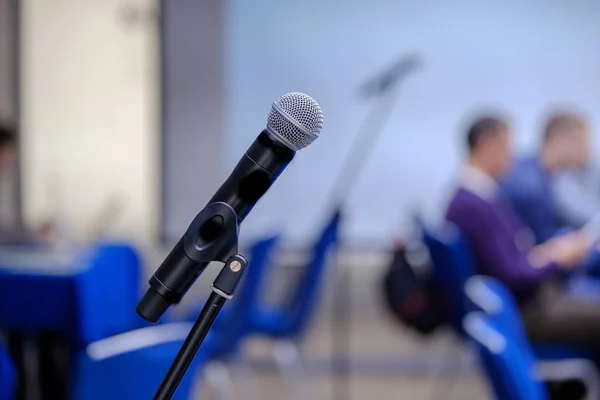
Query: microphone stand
{"x": 223, "y": 245}
{"x": 224, "y": 248}
{"x": 382, "y": 87}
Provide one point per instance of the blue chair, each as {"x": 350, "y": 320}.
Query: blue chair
{"x": 558, "y": 363}
{"x": 287, "y": 323}
{"x": 131, "y": 366}
{"x": 42, "y": 284}
{"x": 8, "y": 376}
{"x": 490, "y": 295}
{"x": 453, "y": 265}
{"x": 511, "y": 371}
{"x": 233, "y": 323}
{"x": 86, "y": 295}
{"x": 290, "y": 320}
{"x": 107, "y": 293}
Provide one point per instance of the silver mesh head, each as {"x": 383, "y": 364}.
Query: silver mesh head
{"x": 295, "y": 119}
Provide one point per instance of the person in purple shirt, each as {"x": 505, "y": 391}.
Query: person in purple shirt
{"x": 505, "y": 249}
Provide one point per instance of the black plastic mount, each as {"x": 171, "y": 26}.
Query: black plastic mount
{"x": 230, "y": 275}
{"x": 212, "y": 236}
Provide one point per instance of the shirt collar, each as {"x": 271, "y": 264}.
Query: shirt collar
{"x": 479, "y": 183}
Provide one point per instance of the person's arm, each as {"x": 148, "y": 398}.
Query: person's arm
{"x": 497, "y": 250}
{"x": 577, "y": 202}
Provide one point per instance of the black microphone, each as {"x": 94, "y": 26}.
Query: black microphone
{"x": 295, "y": 120}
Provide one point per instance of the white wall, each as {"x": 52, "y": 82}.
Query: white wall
{"x": 520, "y": 57}
{"x": 90, "y": 113}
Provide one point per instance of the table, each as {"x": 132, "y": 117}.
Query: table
{"x": 60, "y": 301}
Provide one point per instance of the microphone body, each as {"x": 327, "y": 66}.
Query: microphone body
{"x": 253, "y": 175}
{"x": 293, "y": 123}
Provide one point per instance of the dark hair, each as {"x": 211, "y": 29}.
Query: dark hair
{"x": 561, "y": 123}
{"x": 7, "y": 135}
{"x": 482, "y": 128}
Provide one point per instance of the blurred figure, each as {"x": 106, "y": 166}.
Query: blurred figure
{"x": 504, "y": 248}
{"x": 14, "y": 235}
{"x": 531, "y": 188}
{"x": 577, "y": 189}
{"x": 48, "y": 346}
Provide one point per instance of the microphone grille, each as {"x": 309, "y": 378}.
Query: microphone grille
{"x": 295, "y": 119}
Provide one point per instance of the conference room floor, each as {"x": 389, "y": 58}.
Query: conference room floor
{"x": 389, "y": 361}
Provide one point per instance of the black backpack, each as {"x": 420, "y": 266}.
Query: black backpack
{"x": 408, "y": 292}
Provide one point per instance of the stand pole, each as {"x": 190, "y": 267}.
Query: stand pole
{"x": 190, "y": 347}
{"x": 361, "y": 148}
{"x": 342, "y": 299}
{"x": 348, "y": 177}
{"x": 222, "y": 290}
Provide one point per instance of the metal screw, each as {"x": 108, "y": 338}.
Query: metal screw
{"x": 235, "y": 266}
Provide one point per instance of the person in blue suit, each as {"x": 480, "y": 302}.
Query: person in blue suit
{"x": 529, "y": 186}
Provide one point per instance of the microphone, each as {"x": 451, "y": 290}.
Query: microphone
{"x": 295, "y": 120}
{"x": 385, "y": 80}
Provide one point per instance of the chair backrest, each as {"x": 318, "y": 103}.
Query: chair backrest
{"x": 131, "y": 366}
{"x": 236, "y": 322}
{"x": 493, "y": 298}
{"x": 510, "y": 372}
{"x": 301, "y": 304}
{"x": 8, "y": 375}
{"x": 453, "y": 265}
{"x": 107, "y": 292}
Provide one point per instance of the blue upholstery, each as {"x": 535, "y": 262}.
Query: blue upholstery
{"x": 510, "y": 370}
{"x": 46, "y": 300}
{"x": 131, "y": 366}
{"x": 107, "y": 293}
{"x": 452, "y": 266}
{"x": 8, "y": 376}
{"x": 292, "y": 318}
{"x": 493, "y": 297}
{"x": 86, "y": 295}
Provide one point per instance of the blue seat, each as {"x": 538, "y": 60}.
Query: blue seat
{"x": 453, "y": 265}
{"x": 493, "y": 297}
{"x": 107, "y": 293}
{"x": 511, "y": 371}
{"x": 131, "y": 366}
{"x": 85, "y": 295}
{"x": 42, "y": 286}
{"x": 290, "y": 320}
{"x": 8, "y": 376}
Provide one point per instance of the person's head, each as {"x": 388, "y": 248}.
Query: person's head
{"x": 489, "y": 145}
{"x": 566, "y": 141}
{"x": 7, "y": 144}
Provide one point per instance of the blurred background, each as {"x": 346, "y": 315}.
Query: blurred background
{"x": 127, "y": 115}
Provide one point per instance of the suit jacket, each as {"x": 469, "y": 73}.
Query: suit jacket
{"x": 498, "y": 240}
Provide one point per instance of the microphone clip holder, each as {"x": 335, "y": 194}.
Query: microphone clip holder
{"x": 223, "y": 248}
